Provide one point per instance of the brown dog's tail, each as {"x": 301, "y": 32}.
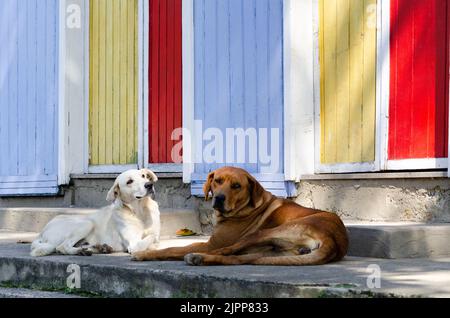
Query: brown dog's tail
{"x": 324, "y": 254}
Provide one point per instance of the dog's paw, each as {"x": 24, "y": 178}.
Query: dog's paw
{"x": 138, "y": 257}
{"x": 193, "y": 259}
{"x": 85, "y": 252}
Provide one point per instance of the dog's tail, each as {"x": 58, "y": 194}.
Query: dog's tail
{"x": 40, "y": 248}
{"x": 325, "y": 253}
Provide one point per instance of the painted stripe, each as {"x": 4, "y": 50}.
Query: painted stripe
{"x": 28, "y": 93}
{"x": 348, "y": 80}
{"x": 165, "y": 77}
{"x": 113, "y": 102}
{"x": 418, "y": 109}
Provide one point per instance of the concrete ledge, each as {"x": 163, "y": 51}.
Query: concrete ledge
{"x": 35, "y": 219}
{"x": 30, "y": 293}
{"x": 399, "y": 240}
{"x": 117, "y": 276}
{"x": 376, "y": 175}
{"x": 161, "y": 175}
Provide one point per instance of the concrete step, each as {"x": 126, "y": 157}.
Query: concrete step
{"x": 32, "y": 293}
{"x": 116, "y": 276}
{"x": 35, "y": 219}
{"x": 378, "y": 240}
{"x": 399, "y": 240}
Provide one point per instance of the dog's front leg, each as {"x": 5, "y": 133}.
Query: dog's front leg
{"x": 172, "y": 253}
{"x": 143, "y": 245}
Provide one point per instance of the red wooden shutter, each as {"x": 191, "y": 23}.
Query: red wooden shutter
{"x": 418, "y": 118}
{"x": 165, "y": 82}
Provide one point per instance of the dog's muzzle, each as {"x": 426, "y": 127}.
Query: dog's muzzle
{"x": 219, "y": 203}
{"x": 150, "y": 190}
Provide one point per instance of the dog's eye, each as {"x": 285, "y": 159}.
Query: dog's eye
{"x": 219, "y": 181}
{"x": 235, "y": 186}
{"x": 143, "y": 176}
{"x": 129, "y": 182}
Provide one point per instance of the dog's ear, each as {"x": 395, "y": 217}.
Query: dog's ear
{"x": 150, "y": 174}
{"x": 256, "y": 190}
{"x": 207, "y": 185}
{"x": 113, "y": 193}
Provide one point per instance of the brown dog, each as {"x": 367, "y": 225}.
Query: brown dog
{"x": 255, "y": 227}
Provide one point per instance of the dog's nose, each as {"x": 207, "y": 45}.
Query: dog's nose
{"x": 149, "y": 186}
{"x": 219, "y": 200}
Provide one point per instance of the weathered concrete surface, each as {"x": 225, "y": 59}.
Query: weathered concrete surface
{"x": 399, "y": 240}
{"x": 116, "y": 275}
{"x": 35, "y": 219}
{"x": 418, "y": 200}
{"x": 30, "y": 293}
{"x": 171, "y": 193}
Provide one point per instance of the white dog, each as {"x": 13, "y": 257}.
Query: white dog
{"x": 130, "y": 224}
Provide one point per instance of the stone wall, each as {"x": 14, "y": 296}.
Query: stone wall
{"x": 418, "y": 200}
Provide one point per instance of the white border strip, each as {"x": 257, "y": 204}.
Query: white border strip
{"x": 111, "y": 168}
{"x": 298, "y": 89}
{"x": 346, "y": 167}
{"x": 383, "y": 82}
{"x": 145, "y": 81}
{"x": 86, "y": 61}
{"x": 63, "y": 176}
{"x": 415, "y": 164}
{"x": 141, "y": 83}
{"x": 188, "y": 89}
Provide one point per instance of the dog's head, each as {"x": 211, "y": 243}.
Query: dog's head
{"x": 133, "y": 185}
{"x": 232, "y": 190}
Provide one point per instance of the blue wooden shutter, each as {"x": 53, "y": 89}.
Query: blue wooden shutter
{"x": 28, "y": 96}
{"x": 239, "y": 77}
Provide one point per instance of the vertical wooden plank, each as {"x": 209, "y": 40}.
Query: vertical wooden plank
{"x": 123, "y": 83}
{"x": 53, "y": 64}
{"x": 154, "y": 80}
{"x": 343, "y": 84}
{"x": 328, "y": 107}
{"x": 103, "y": 81}
{"x": 178, "y": 65}
{"x": 106, "y": 124}
{"x": 322, "y": 79}
{"x": 357, "y": 39}
{"x": 30, "y": 115}
{"x": 262, "y": 60}
{"x": 369, "y": 83}
{"x": 163, "y": 79}
{"x": 41, "y": 92}
{"x": 442, "y": 87}
{"x": 22, "y": 87}
{"x": 5, "y": 25}
{"x": 250, "y": 79}
{"x": 423, "y": 59}
{"x": 94, "y": 81}
{"x": 210, "y": 51}
{"x": 170, "y": 111}
{"x": 276, "y": 75}
{"x": 236, "y": 70}
{"x": 132, "y": 79}
{"x": 13, "y": 90}
{"x": 199, "y": 74}
{"x": 117, "y": 43}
